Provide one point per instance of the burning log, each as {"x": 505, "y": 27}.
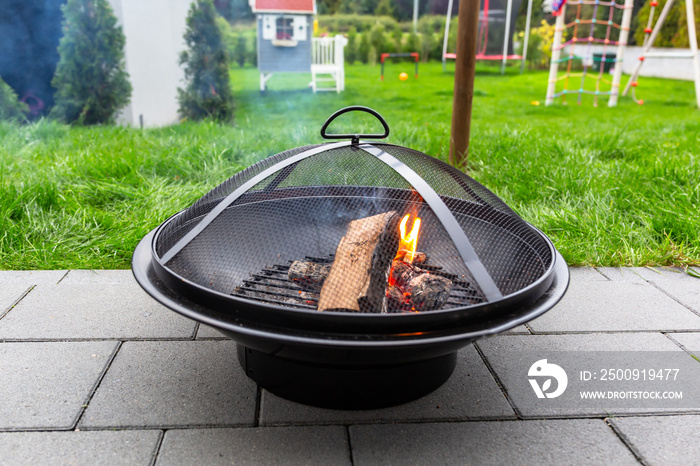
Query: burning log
{"x": 417, "y": 289}
{"x": 358, "y": 277}
{"x": 309, "y": 275}
{"x": 402, "y": 273}
{"x": 395, "y": 300}
{"x": 418, "y": 258}
{"x": 429, "y": 291}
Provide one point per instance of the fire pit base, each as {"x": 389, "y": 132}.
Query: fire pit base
{"x": 346, "y": 388}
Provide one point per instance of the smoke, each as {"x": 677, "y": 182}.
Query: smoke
{"x": 29, "y": 36}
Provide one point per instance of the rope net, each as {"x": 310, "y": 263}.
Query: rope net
{"x": 590, "y": 35}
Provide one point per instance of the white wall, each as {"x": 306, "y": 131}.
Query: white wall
{"x": 669, "y": 68}
{"x": 154, "y": 32}
{"x": 672, "y": 68}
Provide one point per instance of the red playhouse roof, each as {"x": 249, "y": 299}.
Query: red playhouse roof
{"x": 284, "y": 6}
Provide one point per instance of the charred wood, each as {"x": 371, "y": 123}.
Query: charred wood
{"x": 429, "y": 292}
{"x": 309, "y": 275}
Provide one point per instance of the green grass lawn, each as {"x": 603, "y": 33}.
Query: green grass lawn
{"x": 616, "y": 186}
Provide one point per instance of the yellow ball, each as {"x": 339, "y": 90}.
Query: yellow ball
{"x": 403, "y": 76}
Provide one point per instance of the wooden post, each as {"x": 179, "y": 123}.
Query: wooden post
{"x": 415, "y": 17}
{"x": 692, "y": 36}
{"x": 556, "y": 52}
{"x": 527, "y": 35}
{"x": 447, "y": 33}
{"x": 465, "y": 64}
{"x": 619, "y": 55}
{"x": 506, "y": 37}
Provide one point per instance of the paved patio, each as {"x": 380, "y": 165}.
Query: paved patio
{"x": 93, "y": 371}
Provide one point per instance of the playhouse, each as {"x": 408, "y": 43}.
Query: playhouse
{"x": 284, "y": 36}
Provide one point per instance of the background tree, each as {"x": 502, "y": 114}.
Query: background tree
{"x": 347, "y": 7}
{"x": 10, "y": 107}
{"x": 234, "y": 10}
{"x": 90, "y": 80}
{"x": 397, "y": 36}
{"x": 674, "y": 32}
{"x": 351, "y": 48}
{"x": 363, "y": 47}
{"x": 384, "y": 8}
{"x": 207, "y": 93}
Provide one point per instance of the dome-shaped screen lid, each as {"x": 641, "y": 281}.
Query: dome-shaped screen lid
{"x": 468, "y": 255}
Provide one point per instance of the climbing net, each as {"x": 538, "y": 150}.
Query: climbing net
{"x": 589, "y": 37}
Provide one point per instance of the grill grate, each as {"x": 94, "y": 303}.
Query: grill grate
{"x": 272, "y": 285}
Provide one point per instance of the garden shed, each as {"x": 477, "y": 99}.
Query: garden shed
{"x": 284, "y": 36}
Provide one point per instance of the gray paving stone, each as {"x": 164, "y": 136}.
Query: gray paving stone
{"x": 586, "y": 274}
{"x": 690, "y": 341}
{"x": 520, "y": 329}
{"x": 655, "y": 274}
{"x": 30, "y": 277}
{"x": 510, "y": 357}
{"x": 582, "y": 441}
{"x": 665, "y": 440}
{"x": 44, "y": 385}
{"x": 173, "y": 383}
{"x": 92, "y": 311}
{"x": 9, "y": 294}
{"x": 686, "y": 291}
{"x": 205, "y": 331}
{"x": 622, "y": 274}
{"x": 264, "y": 445}
{"x": 78, "y": 448}
{"x": 577, "y": 342}
{"x": 615, "y": 306}
{"x": 471, "y": 393}
{"x": 104, "y": 277}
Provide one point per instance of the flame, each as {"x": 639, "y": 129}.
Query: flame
{"x": 409, "y": 242}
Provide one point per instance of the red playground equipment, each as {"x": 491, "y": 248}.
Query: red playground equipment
{"x": 414, "y": 55}
{"x": 495, "y": 34}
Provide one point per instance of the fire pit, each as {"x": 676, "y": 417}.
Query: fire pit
{"x": 350, "y": 273}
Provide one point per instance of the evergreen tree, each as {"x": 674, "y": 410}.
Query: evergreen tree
{"x": 90, "y": 80}
{"x": 348, "y": 7}
{"x": 384, "y": 8}
{"x": 397, "y": 36}
{"x": 234, "y": 10}
{"x": 351, "y": 48}
{"x": 208, "y": 90}
{"x": 363, "y": 48}
{"x": 10, "y": 107}
{"x": 377, "y": 39}
{"x": 367, "y": 7}
{"x": 241, "y": 50}
{"x": 412, "y": 43}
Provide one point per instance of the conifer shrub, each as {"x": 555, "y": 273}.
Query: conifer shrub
{"x": 207, "y": 92}
{"x": 351, "y": 48}
{"x": 10, "y": 107}
{"x": 91, "y": 81}
{"x": 363, "y": 48}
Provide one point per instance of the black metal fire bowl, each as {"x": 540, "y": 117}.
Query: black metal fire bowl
{"x": 333, "y": 368}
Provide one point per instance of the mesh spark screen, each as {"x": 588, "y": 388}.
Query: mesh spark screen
{"x": 339, "y": 210}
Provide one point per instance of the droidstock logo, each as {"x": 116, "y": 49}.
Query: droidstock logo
{"x": 546, "y": 371}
